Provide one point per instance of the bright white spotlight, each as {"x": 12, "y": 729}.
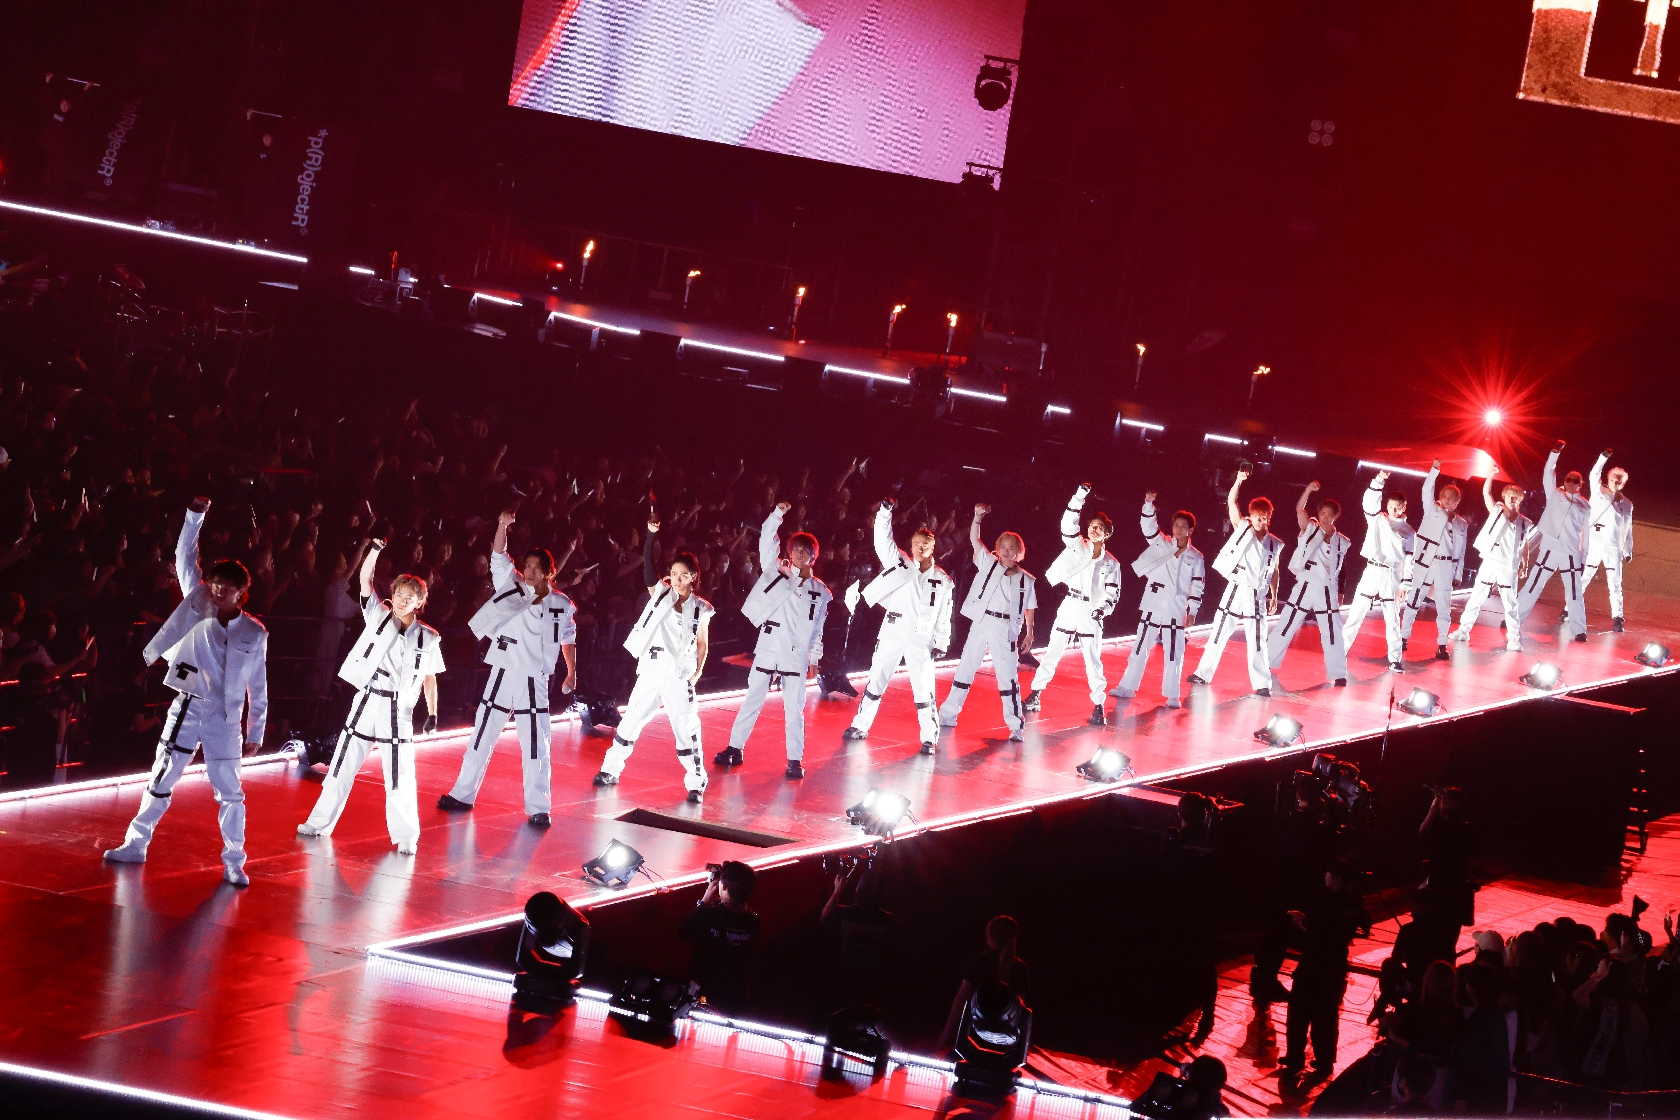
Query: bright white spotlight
{"x": 1107, "y": 765}
{"x": 1493, "y": 417}
{"x": 879, "y": 812}
{"x": 1421, "y": 702}
{"x": 1280, "y": 731}
{"x": 1543, "y": 676}
{"x": 1655, "y": 655}
{"x": 615, "y": 866}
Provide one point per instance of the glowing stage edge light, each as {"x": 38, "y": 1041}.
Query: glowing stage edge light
{"x": 134, "y": 1093}
{"x": 1364, "y": 463}
{"x": 172, "y": 235}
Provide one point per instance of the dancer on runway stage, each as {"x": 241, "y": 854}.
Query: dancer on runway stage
{"x": 670, "y": 641}
{"x": 1437, "y": 559}
{"x": 1609, "y": 535}
{"x": 1317, "y": 565}
{"x": 1563, "y": 543}
{"x": 1001, "y": 601}
{"x": 1248, "y": 561}
{"x": 530, "y": 626}
{"x": 396, "y": 658}
{"x": 1173, "y": 576}
{"x": 916, "y": 594}
{"x": 1387, "y": 550}
{"x": 218, "y": 667}
{"x": 1092, "y": 577}
{"x": 789, "y": 605}
{"x": 1500, "y": 542}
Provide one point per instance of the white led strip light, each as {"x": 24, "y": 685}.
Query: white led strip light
{"x": 1395, "y": 470}
{"x": 135, "y": 1093}
{"x": 130, "y": 227}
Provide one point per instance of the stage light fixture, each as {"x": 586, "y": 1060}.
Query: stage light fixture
{"x": 995, "y": 83}
{"x": 1106, "y": 765}
{"x": 1654, "y": 654}
{"x": 648, "y": 1005}
{"x": 1280, "y": 731}
{"x": 879, "y": 812}
{"x": 615, "y": 866}
{"x": 1421, "y": 702}
{"x": 1543, "y": 675}
{"x": 1493, "y": 417}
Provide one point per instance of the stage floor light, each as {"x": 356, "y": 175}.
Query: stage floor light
{"x": 1543, "y": 676}
{"x": 1655, "y": 654}
{"x": 1280, "y": 731}
{"x": 1421, "y": 702}
{"x": 1106, "y": 765}
{"x": 879, "y": 812}
{"x": 615, "y": 866}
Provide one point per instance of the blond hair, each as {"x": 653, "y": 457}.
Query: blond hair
{"x": 413, "y": 581}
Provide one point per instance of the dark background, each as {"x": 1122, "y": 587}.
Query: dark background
{"x": 1454, "y": 246}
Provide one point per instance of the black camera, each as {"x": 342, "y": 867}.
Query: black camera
{"x": 844, "y": 863}
{"x": 1336, "y": 785}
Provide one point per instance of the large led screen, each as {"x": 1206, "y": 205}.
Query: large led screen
{"x": 884, "y": 84}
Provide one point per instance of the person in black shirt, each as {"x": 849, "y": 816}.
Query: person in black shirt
{"x": 863, "y": 924}
{"x": 997, "y": 964}
{"x": 1324, "y": 929}
{"x": 1448, "y": 839}
{"x": 723, "y": 932}
{"x": 1303, "y": 844}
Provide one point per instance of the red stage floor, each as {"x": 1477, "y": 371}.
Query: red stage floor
{"x": 159, "y": 976}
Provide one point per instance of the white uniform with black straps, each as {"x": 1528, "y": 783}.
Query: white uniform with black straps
{"x": 1093, "y": 591}
{"x": 1316, "y": 597}
{"x": 220, "y": 674}
{"x": 1500, "y": 544}
{"x": 789, "y": 611}
{"x": 996, "y": 606}
{"x": 1247, "y": 561}
{"x": 388, "y": 665}
{"x": 526, "y": 635}
{"x": 1382, "y": 586}
{"x": 1609, "y": 538}
{"x": 1173, "y": 582}
{"x": 918, "y": 606}
{"x": 1437, "y": 562}
{"x": 665, "y": 643}
{"x": 1563, "y": 547}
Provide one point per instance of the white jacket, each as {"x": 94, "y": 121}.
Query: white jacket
{"x": 1440, "y": 536}
{"x": 1172, "y": 582}
{"x": 1500, "y": 543}
{"x": 650, "y": 625}
{"x": 1387, "y": 547}
{"x": 1016, "y": 592}
{"x": 1093, "y": 582}
{"x": 245, "y": 682}
{"x": 1609, "y": 523}
{"x": 1564, "y": 522}
{"x": 788, "y": 611}
{"x": 897, "y": 589}
{"x": 1319, "y": 555}
{"x": 421, "y": 652}
{"x": 557, "y": 626}
{"x": 1247, "y": 559}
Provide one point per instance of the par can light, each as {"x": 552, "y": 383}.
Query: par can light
{"x": 879, "y": 812}
{"x": 1421, "y": 702}
{"x": 1543, "y": 675}
{"x": 1655, "y": 654}
{"x": 1280, "y": 731}
{"x": 1107, "y": 765}
{"x": 615, "y": 866}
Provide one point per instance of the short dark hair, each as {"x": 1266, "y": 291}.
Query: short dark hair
{"x": 1187, "y": 517}
{"x": 1260, "y": 505}
{"x": 1108, "y": 522}
{"x": 1394, "y": 496}
{"x": 806, "y": 539}
{"x": 739, "y": 878}
{"x": 1332, "y": 503}
{"x": 229, "y": 571}
{"x": 687, "y": 560}
{"x": 544, "y": 557}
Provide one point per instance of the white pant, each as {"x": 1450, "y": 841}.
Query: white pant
{"x": 523, "y": 699}
{"x": 1612, "y": 576}
{"x": 1378, "y": 590}
{"x": 1315, "y": 603}
{"x": 1090, "y": 644}
{"x": 1436, "y": 577}
{"x": 376, "y": 719}
{"x": 1244, "y": 608}
{"x": 900, "y": 642}
{"x": 1554, "y": 560}
{"x": 1171, "y": 638}
{"x": 987, "y": 635}
{"x": 793, "y": 708}
{"x": 1473, "y": 607}
{"x": 661, "y": 683}
{"x": 190, "y": 724}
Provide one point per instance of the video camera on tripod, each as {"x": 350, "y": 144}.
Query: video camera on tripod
{"x": 1337, "y": 785}
{"x": 845, "y": 863}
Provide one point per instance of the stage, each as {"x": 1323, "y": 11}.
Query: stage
{"x": 161, "y": 977}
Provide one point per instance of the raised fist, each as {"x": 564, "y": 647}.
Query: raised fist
{"x": 1436, "y": 465}
{"x": 1382, "y": 476}
{"x": 1149, "y": 496}
{"x": 653, "y": 524}
{"x": 1311, "y": 486}
{"x": 981, "y": 509}
{"x": 199, "y": 505}
{"x": 377, "y": 544}
{"x": 1558, "y": 446}
{"x": 783, "y": 507}
{"x": 1606, "y": 452}
{"x": 1084, "y": 487}
{"x": 505, "y": 518}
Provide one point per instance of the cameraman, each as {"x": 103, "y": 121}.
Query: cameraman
{"x": 1304, "y": 843}
{"x": 862, "y": 923}
{"x": 723, "y": 931}
{"x": 1448, "y": 839}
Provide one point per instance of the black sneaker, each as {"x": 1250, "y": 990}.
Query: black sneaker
{"x": 1098, "y": 719}
{"x": 927, "y": 748}
{"x": 1580, "y": 637}
{"x": 450, "y": 805}
{"x": 854, "y": 733}
{"x": 1441, "y": 654}
{"x": 1396, "y": 667}
{"x": 1031, "y": 703}
{"x": 1341, "y": 682}
{"x": 539, "y": 820}
{"x": 1404, "y": 642}
{"x": 1266, "y": 692}
{"x": 1615, "y": 626}
{"x": 728, "y": 756}
{"x": 794, "y": 769}
{"x": 1194, "y": 679}
{"x": 694, "y": 797}
{"x": 605, "y": 779}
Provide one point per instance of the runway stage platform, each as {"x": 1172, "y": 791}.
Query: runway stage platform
{"x": 268, "y": 999}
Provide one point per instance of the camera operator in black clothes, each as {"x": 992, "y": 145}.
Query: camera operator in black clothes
{"x": 1448, "y": 839}
{"x": 1305, "y": 841}
{"x": 723, "y": 931}
{"x": 863, "y": 925}
{"x": 1324, "y": 930}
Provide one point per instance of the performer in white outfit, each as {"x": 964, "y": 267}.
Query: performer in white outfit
{"x": 1173, "y": 577}
{"x": 1437, "y": 559}
{"x": 1249, "y": 563}
{"x": 916, "y": 594}
{"x": 1609, "y": 534}
{"x": 218, "y": 666}
{"x": 670, "y": 641}
{"x": 396, "y": 658}
{"x": 1500, "y": 543}
{"x": 1000, "y": 604}
{"x": 1387, "y": 550}
{"x": 1316, "y": 596}
{"x": 789, "y": 605}
{"x": 1092, "y": 577}
{"x": 531, "y": 626}
{"x": 1563, "y": 543}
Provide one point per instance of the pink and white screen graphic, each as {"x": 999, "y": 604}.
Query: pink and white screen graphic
{"x": 883, "y": 84}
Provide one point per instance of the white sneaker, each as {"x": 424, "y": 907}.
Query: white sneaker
{"x": 1121, "y": 693}
{"x": 307, "y": 829}
{"x": 406, "y": 848}
{"x": 1459, "y": 635}
{"x": 947, "y": 723}
{"x": 130, "y": 852}
{"x": 1174, "y": 704}
{"x": 235, "y": 875}
{"x": 1017, "y": 736}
